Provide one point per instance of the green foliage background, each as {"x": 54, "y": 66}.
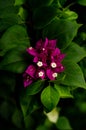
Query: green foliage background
{"x": 22, "y": 23}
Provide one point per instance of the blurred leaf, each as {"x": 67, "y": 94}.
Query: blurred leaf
{"x": 83, "y": 36}
{"x": 6, "y": 3}
{"x": 74, "y": 76}
{"x": 74, "y": 53}
{"x": 35, "y": 87}
{"x": 17, "y": 118}
{"x": 14, "y": 61}
{"x": 62, "y": 30}
{"x": 6, "y": 109}
{"x": 7, "y": 84}
{"x": 25, "y": 103}
{"x": 7, "y": 22}
{"x": 8, "y": 14}
{"x": 28, "y": 104}
{"x": 41, "y": 127}
{"x": 9, "y": 11}
{"x": 29, "y": 122}
{"x": 22, "y": 13}
{"x": 62, "y": 2}
{"x": 64, "y": 91}
{"x": 81, "y": 2}
{"x": 82, "y": 106}
{"x": 15, "y": 36}
{"x": 19, "y": 2}
{"x": 50, "y": 97}
{"x": 43, "y": 16}
{"x": 59, "y": 3}
{"x": 39, "y": 3}
{"x": 63, "y": 124}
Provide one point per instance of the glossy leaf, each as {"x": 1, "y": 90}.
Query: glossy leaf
{"x": 64, "y": 91}
{"x": 35, "y": 87}
{"x": 62, "y": 30}
{"x": 14, "y": 61}
{"x": 69, "y": 15}
{"x": 15, "y": 36}
{"x": 74, "y": 53}
{"x": 73, "y": 75}
{"x": 50, "y": 97}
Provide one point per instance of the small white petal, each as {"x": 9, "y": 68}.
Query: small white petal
{"x": 39, "y": 63}
{"x": 30, "y": 48}
{"x": 54, "y": 75}
{"x": 40, "y": 74}
{"x": 53, "y": 65}
{"x": 43, "y": 49}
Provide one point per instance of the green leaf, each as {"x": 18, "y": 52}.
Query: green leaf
{"x": 50, "y": 97}
{"x": 81, "y": 2}
{"x": 19, "y": 2}
{"x": 69, "y": 15}
{"x": 40, "y": 3}
{"x": 62, "y": 30}
{"x": 74, "y": 53}
{"x": 14, "y": 60}
{"x": 35, "y": 87}
{"x": 64, "y": 91}
{"x": 15, "y": 36}
{"x": 22, "y": 13}
{"x": 43, "y": 16}
{"x": 63, "y": 124}
{"x": 73, "y": 75}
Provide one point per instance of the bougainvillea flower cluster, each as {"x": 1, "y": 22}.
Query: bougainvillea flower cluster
{"x": 47, "y": 62}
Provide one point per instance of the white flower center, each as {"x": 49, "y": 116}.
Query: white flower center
{"x": 53, "y": 65}
{"x": 54, "y": 75}
{"x": 31, "y": 48}
{"x": 40, "y": 74}
{"x": 43, "y": 49}
{"x": 39, "y": 63}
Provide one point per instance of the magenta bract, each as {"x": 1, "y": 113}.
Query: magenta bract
{"x": 47, "y": 62}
